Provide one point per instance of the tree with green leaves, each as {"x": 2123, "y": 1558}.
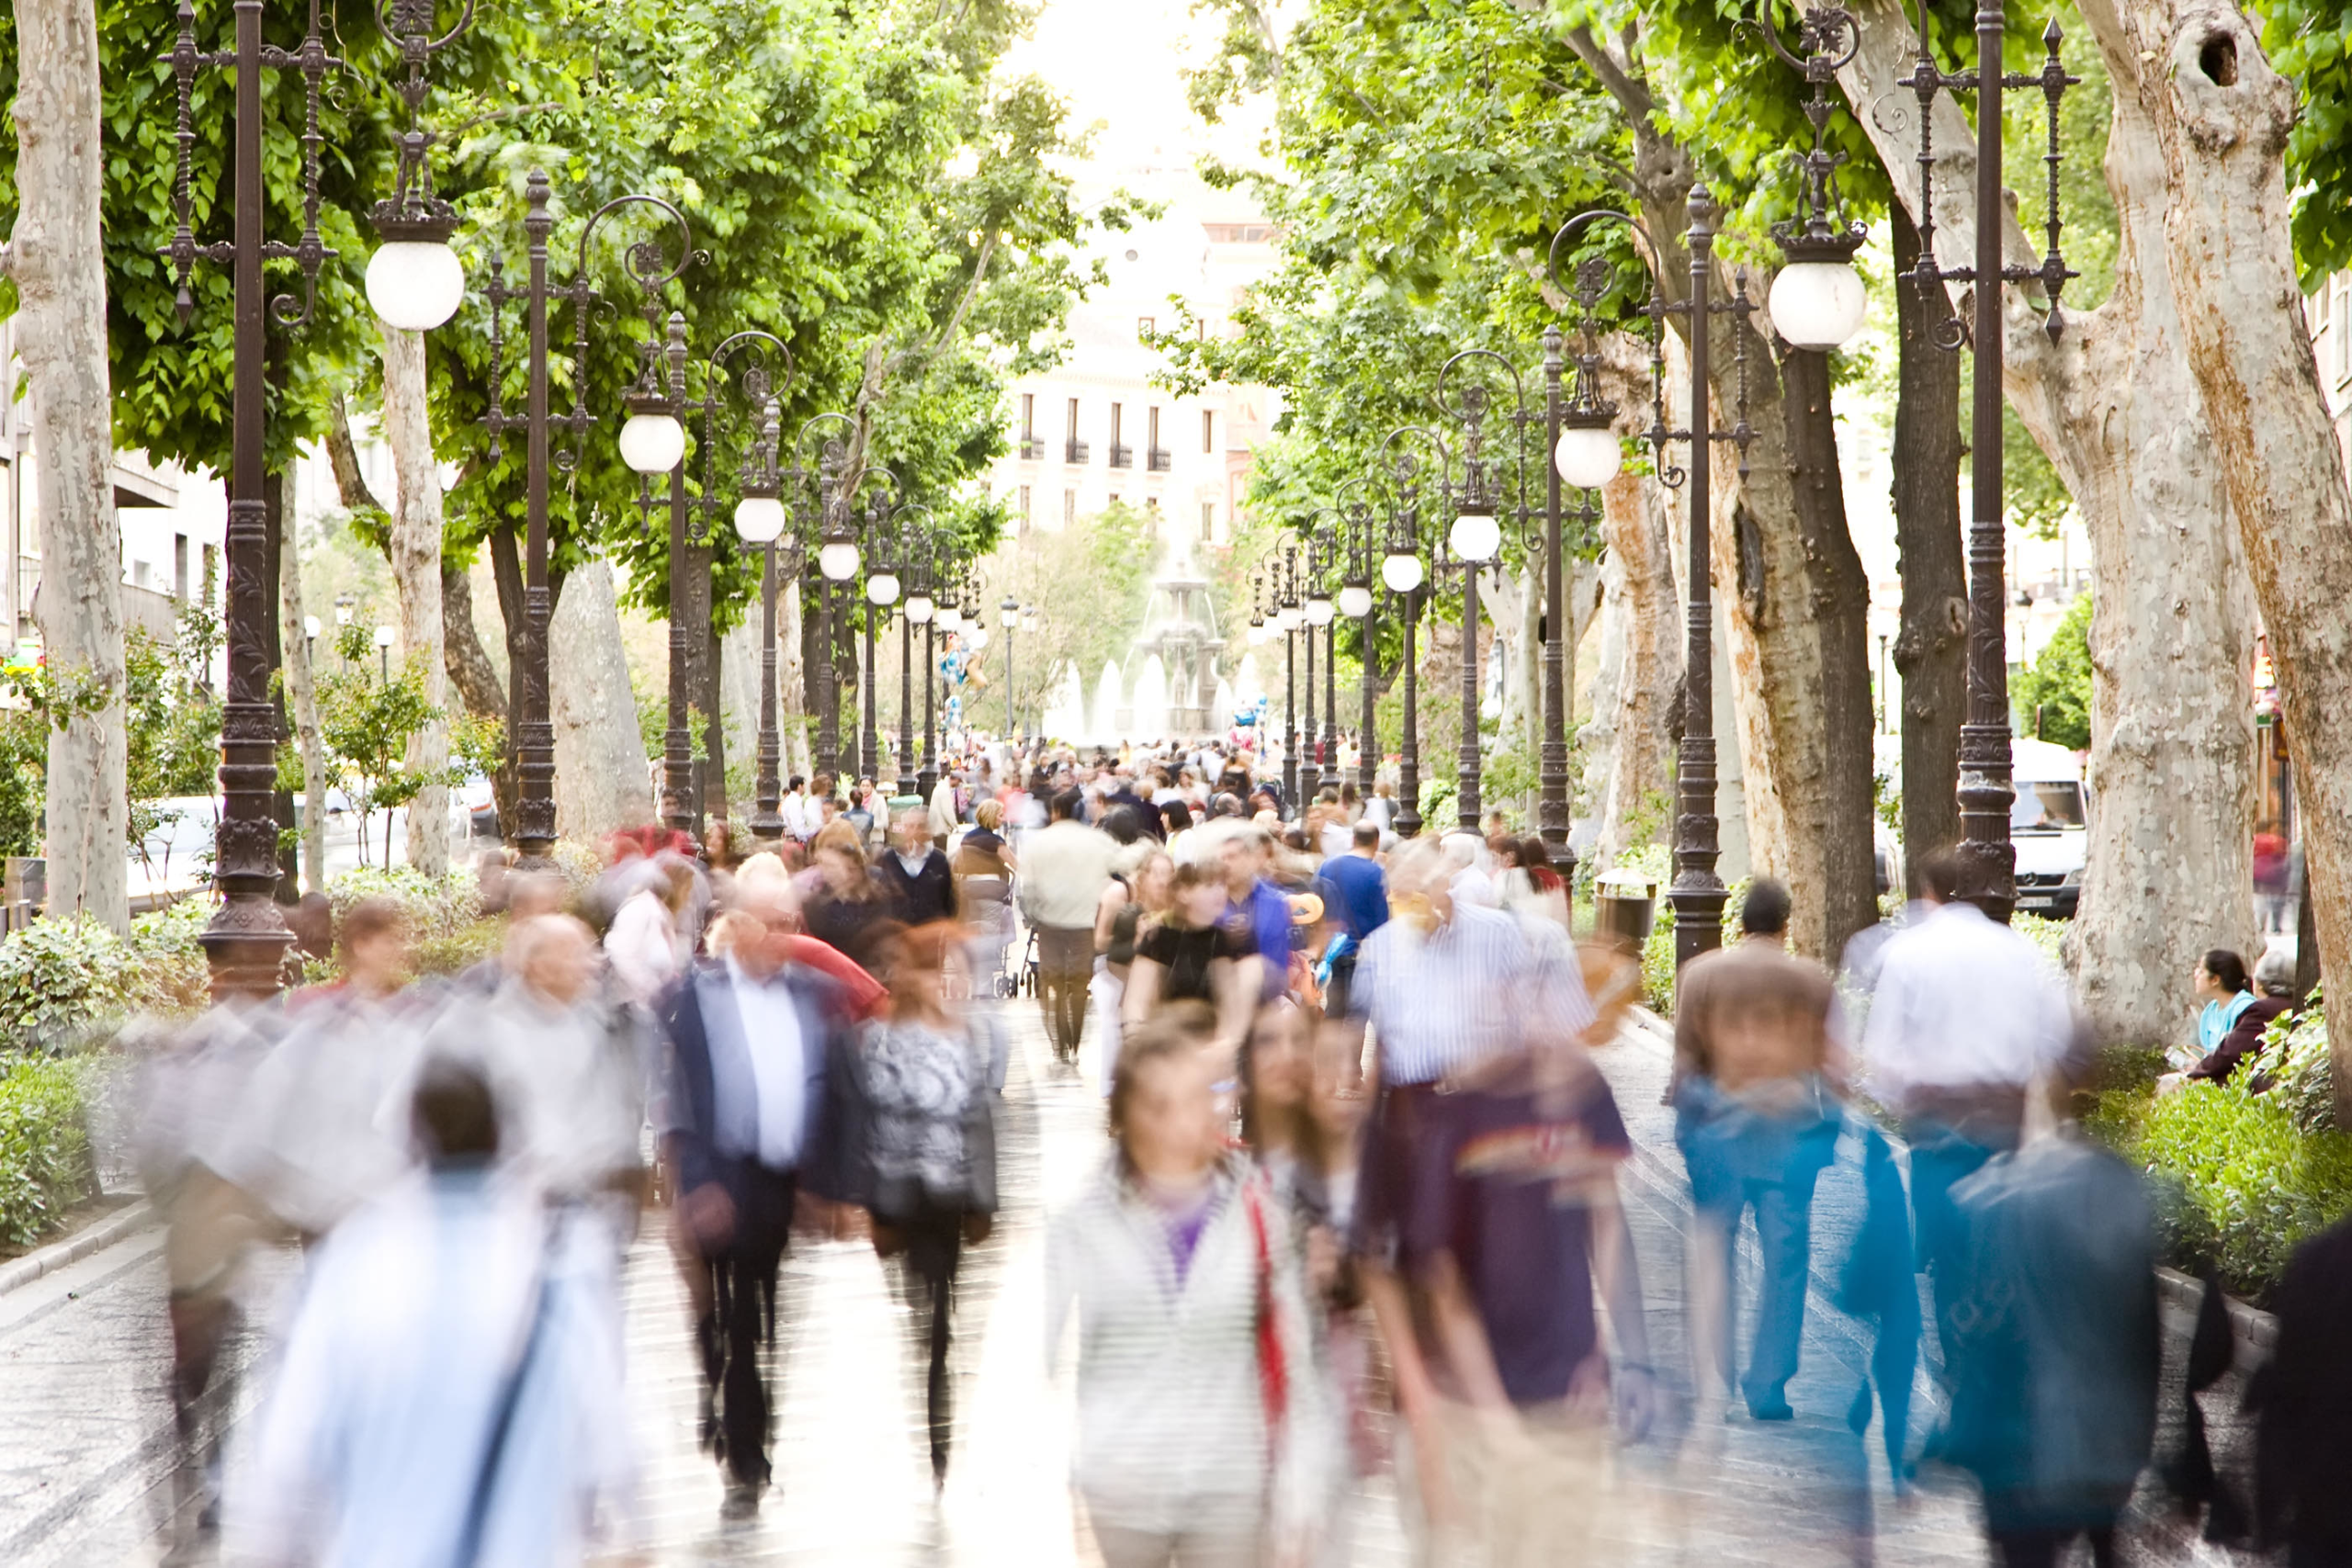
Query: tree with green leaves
{"x": 367, "y": 722}
{"x": 2052, "y": 696}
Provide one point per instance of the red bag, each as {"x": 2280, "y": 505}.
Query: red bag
{"x": 1273, "y": 1376}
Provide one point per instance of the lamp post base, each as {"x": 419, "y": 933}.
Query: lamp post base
{"x": 1698, "y": 919}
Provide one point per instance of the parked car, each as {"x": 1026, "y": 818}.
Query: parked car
{"x": 2049, "y": 823}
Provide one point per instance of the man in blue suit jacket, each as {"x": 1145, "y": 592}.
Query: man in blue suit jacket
{"x": 757, "y": 1116}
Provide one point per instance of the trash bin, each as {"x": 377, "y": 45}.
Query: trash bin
{"x": 1625, "y": 908}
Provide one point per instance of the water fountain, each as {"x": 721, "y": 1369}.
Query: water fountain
{"x": 1180, "y": 643}
{"x": 1065, "y": 713}
{"x": 1106, "y": 713}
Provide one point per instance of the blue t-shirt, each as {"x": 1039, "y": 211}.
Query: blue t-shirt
{"x": 1263, "y": 921}
{"x": 1359, "y": 893}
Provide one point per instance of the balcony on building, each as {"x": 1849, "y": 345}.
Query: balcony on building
{"x": 1074, "y": 451}
{"x": 1123, "y": 456}
{"x": 1161, "y": 458}
{"x": 1032, "y": 449}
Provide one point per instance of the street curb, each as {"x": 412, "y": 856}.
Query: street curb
{"x": 50, "y": 1259}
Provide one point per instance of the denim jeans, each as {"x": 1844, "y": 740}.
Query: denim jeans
{"x": 1739, "y": 1158}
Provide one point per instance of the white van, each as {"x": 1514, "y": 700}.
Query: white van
{"x": 2048, "y": 825}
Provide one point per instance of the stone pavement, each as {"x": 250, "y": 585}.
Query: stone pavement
{"x": 87, "y": 1473}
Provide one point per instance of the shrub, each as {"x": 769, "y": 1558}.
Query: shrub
{"x": 57, "y": 976}
{"x": 44, "y": 1145}
{"x": 436, "y": 906}
{"x": 2295, "y": 1067}
{"x": 2242, "y": 1185}
{"x": 2044, "y": 934}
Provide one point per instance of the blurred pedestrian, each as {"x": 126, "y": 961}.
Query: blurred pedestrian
{"x": 1063, "y": 868}
{"x": 1355, "y": 899}
{"x": 2055, "y": 1349}
{"x": 846, "y": 896}
{"x": 1965, "y": 1015}
{"x": 755, "y": 1115}
{"x": 449, "y": 1392}
{"x": 1198, "y": 1430}
{"x": 1130, "y": 905}
{"x": 927, "y": 1083}
{"x": 2302, "y": 1399}
{"x": 648, "y": 944}
{"x": 1258, "y": 911}
{"x": 915, "y": 876}
{"x": 568, "y": 1071}
{"x": 1191, "y": 953}
{"x": 1757, "y": 1117}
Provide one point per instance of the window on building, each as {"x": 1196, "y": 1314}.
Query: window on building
{"x": 1151, "y": 428}
{"x": 1118, "y": 419}
{"x": 179, "y": 567}
{"x": 1028, "y": 418}
{"x": 1145, "y": 326}
{"x": 1208, "y": 521}
{"x": 1208, "y": 430}
{"x": 1069, "y": 507}
{"x": 1025, "y": 509}
{"x": 211, "y": 576}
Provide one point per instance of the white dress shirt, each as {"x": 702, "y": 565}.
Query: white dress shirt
{"x": 771, "y": 1024}
{"x": 1961, "y": 1003}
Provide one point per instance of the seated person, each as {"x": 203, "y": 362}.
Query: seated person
{"x": 2246, "y": 1016}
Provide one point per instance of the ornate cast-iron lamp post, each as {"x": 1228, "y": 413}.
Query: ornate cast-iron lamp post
{"x": 1477, "y": 493}
{"x": 245, "y": 940}
{"x": 1355, "y": 601}
{"x": 690, "y": 598}
{"x": 1287, "y": 618}
{"x": 1988, "y": 859}
{"x": 911, "y": 580}
{"x": 1404, "y": 573}
{"x": 821, "y": 488}
{"x": 760, "y": 519}
{"x": 648, "y": 435}
{"x": 881, "y": 592}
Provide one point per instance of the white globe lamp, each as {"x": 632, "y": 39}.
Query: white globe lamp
{"x": 837, "y": 558}
{"x": 1588, "y": 454}
{"x": 1818, "y": 304}
{"x": 1355, "y": 600}
{"x": 1401, "y": 571}
{"x": 759, "y": 519}
{"x": 415, "y": 284}
{"x": 1475, "y": 537}
{"x": 882, "y": 588}
{"x": 921, "y": 609}
{"x": 652, "y": 442}
{"x": 1319, "y": 611}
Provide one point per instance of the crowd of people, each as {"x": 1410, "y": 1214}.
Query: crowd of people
{"x": 1357, "y": 1208}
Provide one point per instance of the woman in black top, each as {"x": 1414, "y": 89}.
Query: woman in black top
{"x": 848, "y": 900}
{"x": 1192, "y": 956}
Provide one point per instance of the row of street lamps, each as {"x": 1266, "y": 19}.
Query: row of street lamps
{"x": 415, "y": 282}
{"x": 1817, "y": 303}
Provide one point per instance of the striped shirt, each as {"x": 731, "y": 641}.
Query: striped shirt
{"x": 1477, "y": 986}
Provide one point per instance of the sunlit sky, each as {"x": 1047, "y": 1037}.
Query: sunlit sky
{"x": 1119, "y": 63}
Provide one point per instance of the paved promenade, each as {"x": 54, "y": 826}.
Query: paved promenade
{"x": 85, "y": 1449}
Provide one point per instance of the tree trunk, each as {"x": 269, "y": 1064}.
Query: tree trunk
{"x": 1637, "y": 803}
{"x": 2114, "y": 404}
{"x": 58, "y": 261}
{"x": 466, "y": 660}
{"x": 791, "y": 698}
{"x": 702, "y": 683}
{"x": 1787, "y": 579}
{"x": 2221, "y": 117}
{"x": 416, "y": 577}
{"x": 1931, "y": 647}
{"x": 599, "y": 753}
{"x": 301, "y": 691}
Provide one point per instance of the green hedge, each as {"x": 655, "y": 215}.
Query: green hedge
{"x": 2242, "y": 1184}
{"x": 44, "y": 1145}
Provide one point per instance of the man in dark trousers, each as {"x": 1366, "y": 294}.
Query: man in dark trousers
{"x": 921, "y": 888}
{"x": 758, "y": 1100}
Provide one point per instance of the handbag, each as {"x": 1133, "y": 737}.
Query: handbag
{"x": 502, "y": 1422}
{"x": 1273, "y": 1372}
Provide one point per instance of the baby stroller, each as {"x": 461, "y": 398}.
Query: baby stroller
{"x": 1023, "y": 981}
